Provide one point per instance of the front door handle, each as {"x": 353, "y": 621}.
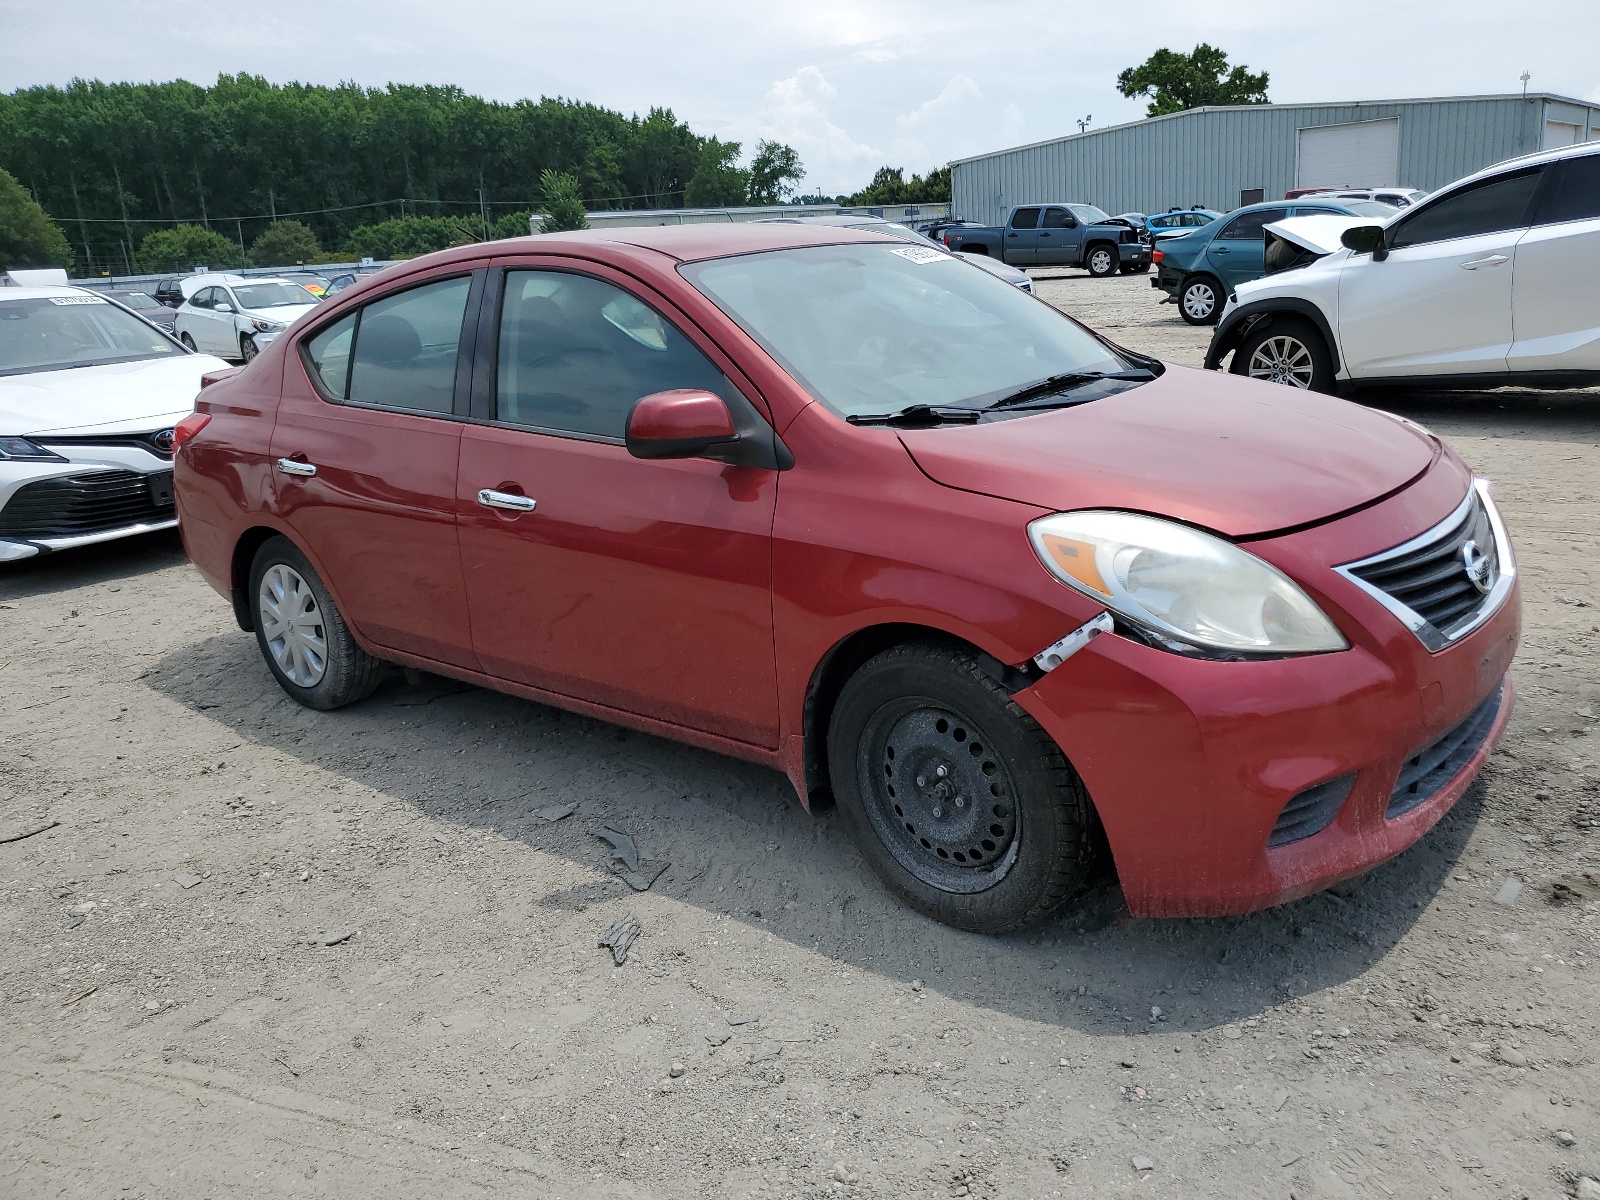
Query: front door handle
{"x": 290, "y": 466}
{"x": 1219, "y": 250}
{"x": 1493, "y": 260}
{"x": 490, "y": 498}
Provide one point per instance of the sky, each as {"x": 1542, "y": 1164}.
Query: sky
{"x": 852, "y": 86}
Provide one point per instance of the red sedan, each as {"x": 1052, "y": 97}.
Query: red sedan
{"x": 819, "y": 499}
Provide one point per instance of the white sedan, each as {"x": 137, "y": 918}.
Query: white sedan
{"x": 89, "y": 394}
{"x": 236, "y": 319}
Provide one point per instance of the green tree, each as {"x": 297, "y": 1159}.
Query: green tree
{"x": 718, "y": 180}
{"x": 184, "y": 247}
{"x": 773, "y": 174}
{"x": 28, "y": 237}
{"x": 407, "y": 237}
{"x": 890, "y": 186}
{"x": 562, "y": 203}
{"x": 1174, "y": 82}
{"x": 283, "y": 244}
{"x": 512, "y": 225}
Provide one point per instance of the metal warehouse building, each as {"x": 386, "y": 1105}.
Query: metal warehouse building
{"x": 1223, "y": 157}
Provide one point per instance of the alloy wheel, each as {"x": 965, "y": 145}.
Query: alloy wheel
{"x": 1100, "y": 262}
{"x": 939, "y": 797}
{"x": 1283, "y": 359}
{"x": 292, "y": 626}
{"x": 248, "y": 349}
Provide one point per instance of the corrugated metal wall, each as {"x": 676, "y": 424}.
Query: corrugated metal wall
{"x": 1209, "y": 156}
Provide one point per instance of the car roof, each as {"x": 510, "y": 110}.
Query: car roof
{"x": 682, "y": 243}
{"x": 1577, "y": 150}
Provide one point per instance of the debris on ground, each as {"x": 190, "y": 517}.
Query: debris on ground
{"x": 622, "y": 934}
{"x": 649, "y": 871}
{"x": 28, "y": 833}
{"x": 335, "y": 939}
{"x": 622, "y": 847}
{"x": 766, "y": 1052}
{"x": 718, "y": 1039}
{"x": 185, "y": 880}
{"x": 1509, "y": 891}
{"x": 556, "y": 812}
{"x": 1141, "y": 1163}
{"x": 742, "y": 1018}
{"x": 87, "y": 992}
{"x": 677, "y": 1070}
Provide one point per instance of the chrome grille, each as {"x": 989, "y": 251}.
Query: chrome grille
{"x": 1443, "y": 583}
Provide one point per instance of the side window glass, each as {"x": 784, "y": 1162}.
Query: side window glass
{"x": 1055, "y": 218}
{"x": 1025, "y": 218}
{"x": 1249, "y": 226}
{"x": 406, "y": 345}
{"x": 576, "y": 353}
{"x": 1487, "y": 208}
{"x": 202, "y": 298}
{"x": 328, "y": 355}
{"x": 1575, "y": 194}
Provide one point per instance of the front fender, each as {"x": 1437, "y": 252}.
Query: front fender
{"x": 1232, "y": 328}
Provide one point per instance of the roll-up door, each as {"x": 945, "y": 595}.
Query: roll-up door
{"x": 1561, "y": 133}
{"x": 1363, "y": 154}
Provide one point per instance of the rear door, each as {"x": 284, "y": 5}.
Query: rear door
{"x": 365, "y": 453}
{"x": 1555, "y": 317}
{"x": 1060, "y": 241}
{"x": 638, "y": 585}
{"x": 1440, "y": 302}
{"x": 199, "y": 320}
{"x": 1238, "y": 251}
{"x": 1020, "y": 245}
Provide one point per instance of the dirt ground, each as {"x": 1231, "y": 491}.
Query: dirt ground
{"x": 279, "y": 953}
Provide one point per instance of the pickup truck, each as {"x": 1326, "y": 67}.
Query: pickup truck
{"x": 1057, "y": 235}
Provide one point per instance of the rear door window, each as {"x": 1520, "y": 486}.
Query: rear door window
{"x": 1025, "y": 218}
{"x": 328, "y": 355}
{"x": 1489, "y": 207}
{"x": 202, "y": 298}
{"x": 406, "y": 347}
{"x": 1574, "y": 193}
{"x": 1249, "y": 227}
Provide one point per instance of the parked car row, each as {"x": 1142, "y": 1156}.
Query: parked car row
{"x": 1049, "y": 235}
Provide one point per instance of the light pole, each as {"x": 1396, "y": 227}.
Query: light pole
{"x": 1525, "y": 78}
{"x": 1083, "y": 123}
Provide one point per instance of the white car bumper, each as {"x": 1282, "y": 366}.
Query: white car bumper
{"x": 108, "y": 488}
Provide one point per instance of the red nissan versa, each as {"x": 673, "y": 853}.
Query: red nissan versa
{"x": 819, "y": 499}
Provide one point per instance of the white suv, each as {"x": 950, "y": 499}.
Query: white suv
{"x": 1491, "y": 281}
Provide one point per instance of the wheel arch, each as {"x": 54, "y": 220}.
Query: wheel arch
{"x": 1232, "y": 329}
{"x": 842, "y": 660}
{"x": 244, "y": 553}
{"x": 980, "y": 249}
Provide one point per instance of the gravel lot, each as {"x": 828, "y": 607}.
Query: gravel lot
{"x": 273, "y": 952}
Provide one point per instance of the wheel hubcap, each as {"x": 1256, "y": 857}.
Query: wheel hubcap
{"x": 291, "y": 624}
{"x": 939, "y": 797}
{"x": 1283, "y": 359}
{"x": 1199, "y": 300}
{"x": 1101, "y": 261}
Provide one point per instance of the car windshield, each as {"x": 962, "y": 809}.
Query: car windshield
{"x": 272, "y": 295}
{"x": 53, "y": 333}
{"x": 1089, "y": 214}
{"x": 873, "y": 329}
{"x": 138, "y": 301}
{"x": 1368, "y": 208}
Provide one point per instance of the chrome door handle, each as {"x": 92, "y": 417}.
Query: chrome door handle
{"x": 1493, "y": 260}
{"x": 507, "y": 500}
{"x": 290, "y": 466}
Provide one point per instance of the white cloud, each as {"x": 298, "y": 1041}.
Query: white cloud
{"x": 798, "y": 112}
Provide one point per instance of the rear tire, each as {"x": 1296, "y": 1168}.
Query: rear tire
{"x": 306, "y": 644}
{"x": 1285, "y": 350}
{"x": 186, "y": 340}
{"x": 1102, "y": 259}
{"x": 1200, "y": 300}
{"x": 957, "y": 799}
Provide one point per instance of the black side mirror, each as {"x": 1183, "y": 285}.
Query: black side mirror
{"x": 1365, "y": 239}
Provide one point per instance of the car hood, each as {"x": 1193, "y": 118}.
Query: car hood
{"x": 113, "y": 398}
{"x": 1232, "y": 455}
{"x": 1318, "y": 234}
{"x": 287, "y": 314}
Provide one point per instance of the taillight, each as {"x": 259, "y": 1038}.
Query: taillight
{"x": 187, "y": 428}
{"x": 1157, "y": 255}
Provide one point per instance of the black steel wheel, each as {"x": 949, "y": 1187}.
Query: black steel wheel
{"x": 1102, "y": 259}
{"x": 959, "y": 801}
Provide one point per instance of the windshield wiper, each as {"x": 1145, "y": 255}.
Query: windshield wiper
{"x": 1068, "y": 379}
{"x": 919, "y": 414}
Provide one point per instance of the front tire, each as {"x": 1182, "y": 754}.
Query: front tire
{"x": 248, "y": 349}
{"x": 186, "y": 339}
{"x": 1288, "y": 351}
{"x": 1102, "y": 260}
{"x": 957, "y": 799}
{"x": 1200, "y": 300}
{"x": 306, "y": 644}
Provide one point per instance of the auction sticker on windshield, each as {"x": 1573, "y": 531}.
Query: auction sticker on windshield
{"x": 75, "y": 299}
{"x": 918, "y": 254}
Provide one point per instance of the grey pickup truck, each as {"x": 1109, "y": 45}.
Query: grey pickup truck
{"x": 1057, "y": 235}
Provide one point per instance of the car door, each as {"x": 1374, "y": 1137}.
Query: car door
{"x": 1019, "y": 246}
{"x": 366, "y": 447}
{"x": 1555, "y": 319}
{"x": 1439, "y": 301}
{"x": 640, "y": 585}
{"x": 224, "y": 322}
{"x": 197, "y": 320}
{"x": 1238, "y": 250}
{"x": 1060, "y": 238}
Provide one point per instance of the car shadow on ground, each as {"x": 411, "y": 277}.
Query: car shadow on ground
{"x": 107, "y": 562}
{"x": 739, "y": 843}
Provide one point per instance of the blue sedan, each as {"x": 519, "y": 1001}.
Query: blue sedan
{"x": 1200, "y": 269}
{"x": 1176, "y": 222}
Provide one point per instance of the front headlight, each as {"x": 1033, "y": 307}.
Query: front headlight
{"x": 267, "y": 326}
{"x": 15, "y": 449}
{"x": 1185, "y": 590}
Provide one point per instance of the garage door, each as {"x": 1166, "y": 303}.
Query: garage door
{"x": 1365, "y": 154}
{"x": 1561, "y": 133}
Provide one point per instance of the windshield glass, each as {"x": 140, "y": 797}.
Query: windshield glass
{"x": 272, "y": 295}
{"x": 1369, "y": 208}
{"x": 1089, "y": 214}
{"x": 50, "y": 333}
{"x": 872, "y": 329}
{"x": 138, "y": 301}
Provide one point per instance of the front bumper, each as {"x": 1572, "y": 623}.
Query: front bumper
{"x": 1191, "y": 763}
{"x": 1133, "y": 254}
{"x": 103, "y": 492}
